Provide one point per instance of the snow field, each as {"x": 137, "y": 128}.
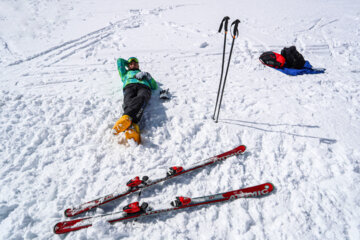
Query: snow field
{"x": 60, "y": 95}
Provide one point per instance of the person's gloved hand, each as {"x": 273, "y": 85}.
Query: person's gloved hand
{"x": 164, "y": 94}
{"x": 143, "y": 76}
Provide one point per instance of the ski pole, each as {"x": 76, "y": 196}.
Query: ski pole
{"x": 225, "y": 20}
{"x": 234, "y": 34}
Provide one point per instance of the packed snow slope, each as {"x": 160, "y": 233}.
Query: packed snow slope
{"x": 61, "y": 94}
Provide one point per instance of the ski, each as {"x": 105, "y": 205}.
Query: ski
{"x": 137, "y": 184}
{"x": 135, "y": 211}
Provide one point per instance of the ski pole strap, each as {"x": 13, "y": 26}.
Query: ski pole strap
{"x": 225, "y": 20}
{"x": 235, "y": 32}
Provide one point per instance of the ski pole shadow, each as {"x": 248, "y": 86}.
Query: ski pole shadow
{"x": 246, "y": 124}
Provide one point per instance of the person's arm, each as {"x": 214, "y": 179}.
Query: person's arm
{"x": 145, "y": 76}
{"x": 121, "y": 64}
{"x": 153, "y": 84}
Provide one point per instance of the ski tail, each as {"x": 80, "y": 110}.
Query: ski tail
{"x": 72, "y": 225}
{"x": 71, "y": 212}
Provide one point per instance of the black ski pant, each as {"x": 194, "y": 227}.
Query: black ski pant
{"x": 136, "y": 97}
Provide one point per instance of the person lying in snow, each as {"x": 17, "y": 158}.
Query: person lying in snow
{"x": 137, "y": 86}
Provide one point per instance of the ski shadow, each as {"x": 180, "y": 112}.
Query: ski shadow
{"x": 246, "y": 124}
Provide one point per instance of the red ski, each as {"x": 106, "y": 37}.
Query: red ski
{"x": 137, "y": 184}
{"x": 135, "y": 211}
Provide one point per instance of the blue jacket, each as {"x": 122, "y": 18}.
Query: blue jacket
{"x": 307, "y": 69}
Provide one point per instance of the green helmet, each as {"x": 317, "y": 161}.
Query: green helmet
{"x": 133, "y": 59}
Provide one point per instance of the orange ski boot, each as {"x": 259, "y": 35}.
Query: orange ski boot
{"x": 122, "y": 124}
{"x": 133, "y": 132}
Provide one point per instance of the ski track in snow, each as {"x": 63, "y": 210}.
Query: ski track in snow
{"x": 58, "y": 105}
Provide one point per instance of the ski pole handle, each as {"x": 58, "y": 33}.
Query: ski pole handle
{"x": 225, "y": 20}
{"x": 235, "y": 32}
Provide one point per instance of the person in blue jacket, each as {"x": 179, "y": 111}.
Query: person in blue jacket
{"x": 137, "y": 86}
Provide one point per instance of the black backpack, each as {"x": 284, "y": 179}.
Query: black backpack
{"x": 272, "y": 59}
{"x": 293, "y": 58}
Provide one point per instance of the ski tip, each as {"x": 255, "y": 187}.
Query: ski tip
{"x": 70, "y": 226}
{"x": 242, "y": 148}
{"x": 272, "y": 187}
{"x": 269, "y": 186}
{"x": 267, "y": 189}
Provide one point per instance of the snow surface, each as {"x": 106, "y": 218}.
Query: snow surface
{"x": 61, "y": 94}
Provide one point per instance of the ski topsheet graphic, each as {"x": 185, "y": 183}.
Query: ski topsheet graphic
{"x": 137, "y": 184}
{"x": 135, "y": 211}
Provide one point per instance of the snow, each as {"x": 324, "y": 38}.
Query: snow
{"x": 60, "y": 95}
